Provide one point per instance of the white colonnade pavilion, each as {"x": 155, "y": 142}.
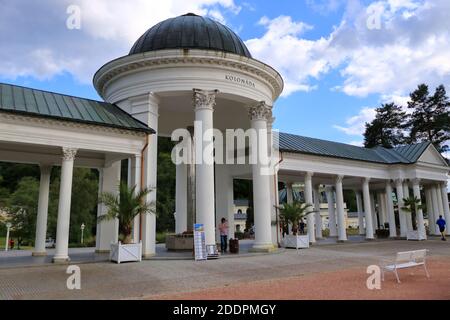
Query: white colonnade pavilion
{"x": 199, "y": 79}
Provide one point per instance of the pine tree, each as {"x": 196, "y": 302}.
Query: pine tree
{"x": 387, "y": 128}
{"x": 430, "y": 117}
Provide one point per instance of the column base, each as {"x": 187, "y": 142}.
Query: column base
{"x": 148, "y": 255}
{"x": 61, "y": 260}
{"x": 264, "y": 248}
{"x": 342, "y": 240}
{"x": 39, "y": 254}
{"x": 370, "y": 239}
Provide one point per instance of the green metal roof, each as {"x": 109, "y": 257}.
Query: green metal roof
{"x": 39, "y": 103}
{"x": 298, "y": 144}
{"x": 190, "y": 31}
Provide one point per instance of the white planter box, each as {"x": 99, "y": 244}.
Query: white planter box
{"x": 414, "y": 235}
{"x": 297, "y": 242}
{"x": 125, "y": 252}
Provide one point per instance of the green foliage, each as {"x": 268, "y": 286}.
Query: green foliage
{"x": 293, "y": 213}
{"x": 83, "y": 207}
{"x": 165, "y": 195}
{"x": 387, "y": 128}
{"x": 429, "y": 120}
{"x": 22, "y": 207}
{"x": 125, "y": 207}
{"x": 350, "y": 200}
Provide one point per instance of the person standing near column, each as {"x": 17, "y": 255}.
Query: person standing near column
{"x": 223, "y": 229}
{"x": 441, "y": 223}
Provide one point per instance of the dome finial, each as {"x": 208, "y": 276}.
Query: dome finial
{"x": 190, "y": 14}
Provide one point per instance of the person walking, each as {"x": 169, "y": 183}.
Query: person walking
{"x": 441, "y": 223}
{"x": 223, "y": 229}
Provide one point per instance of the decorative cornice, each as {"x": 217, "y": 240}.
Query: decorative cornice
{"x": 68, "y": 124}
{"x": 161, "y": 59}
{"x": 260, "y": 111}
{"x": 69, "y": 154}
{"x": 204, "y": 99}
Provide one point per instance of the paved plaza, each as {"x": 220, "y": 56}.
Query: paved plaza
{"x": 156, "y": 278}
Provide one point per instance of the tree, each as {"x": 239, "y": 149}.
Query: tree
{"x": 165, "y": 196}
{"x": 22, "y": 207}
{"x": 429, "y": 119}
{"x": 386, "y": 129}
{"x": 293, "y": 213}
{"x": 125, "y": 207}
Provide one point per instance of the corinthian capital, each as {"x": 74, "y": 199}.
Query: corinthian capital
{"x": 204, "y": 99}
{"x": 260, "y": 111}
{"x": 69, "y": 153}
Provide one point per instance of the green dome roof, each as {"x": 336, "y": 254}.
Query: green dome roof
{"x": 190, "y": 31}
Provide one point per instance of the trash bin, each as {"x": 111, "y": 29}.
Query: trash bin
{"x": 234, "y": 245}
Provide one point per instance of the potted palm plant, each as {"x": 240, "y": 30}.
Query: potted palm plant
{"x": 293, "y": 213}
{"x": 124, "y": 207}
{"x": 411, "y": 205}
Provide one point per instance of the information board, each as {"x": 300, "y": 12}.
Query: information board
{"x": 199, "y": 242}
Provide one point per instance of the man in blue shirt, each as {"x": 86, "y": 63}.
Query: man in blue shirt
{"x": 441, "y": 223}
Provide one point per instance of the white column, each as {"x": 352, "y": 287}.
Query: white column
{"x": 289, "y": 199}
{"x": 65, "y": 197}
{"x": 359, "y": 207}
{"x": 382, "y": 203}
{"x": 259, "y": 114}
{"x": 430, "y": 214}
{"x": 374, "y": 211}
{"x": 181, "y": 198}
{"x": 331, "y": 211}
{"x": 41, "y": 222}
{"x": 289, "y": 193}
{"x": 136, "y": 181}
{"x": 408, "y": 215}
{"x": 440, "y": 201}
{"x": 318, "y": 217}
{"x": 309, "y": 200}
{"x": 390, "y": 211}
{"x": 150, "y": 116}
{"x": 367, "y": 209}
{"x": 446, "y": 210}
{"x": 419, "y": 213}
{"x": 204, "y": 102}
{"x": 436, "y": 211}
{"x": 400, "y": 204}
{"x": 342, "y": 232}
{"x": 108, "y": 230}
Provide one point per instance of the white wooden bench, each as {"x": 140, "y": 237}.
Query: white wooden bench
{"x": 403, "y": 260}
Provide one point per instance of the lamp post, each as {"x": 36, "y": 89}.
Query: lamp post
{"x": 82, "y": 232}
{"x": 8, "y": 226}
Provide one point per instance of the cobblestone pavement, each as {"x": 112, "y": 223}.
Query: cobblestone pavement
{"x": 155, "y": 277}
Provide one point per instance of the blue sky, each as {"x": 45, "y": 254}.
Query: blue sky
{"x": 337, "y": 68}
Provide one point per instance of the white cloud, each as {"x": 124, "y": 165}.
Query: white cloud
{"x": 355, "y": 125}
{"x": 411, "y": 47}
{"x": 35, "y": 41}
{"x": 297, "y": 59}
